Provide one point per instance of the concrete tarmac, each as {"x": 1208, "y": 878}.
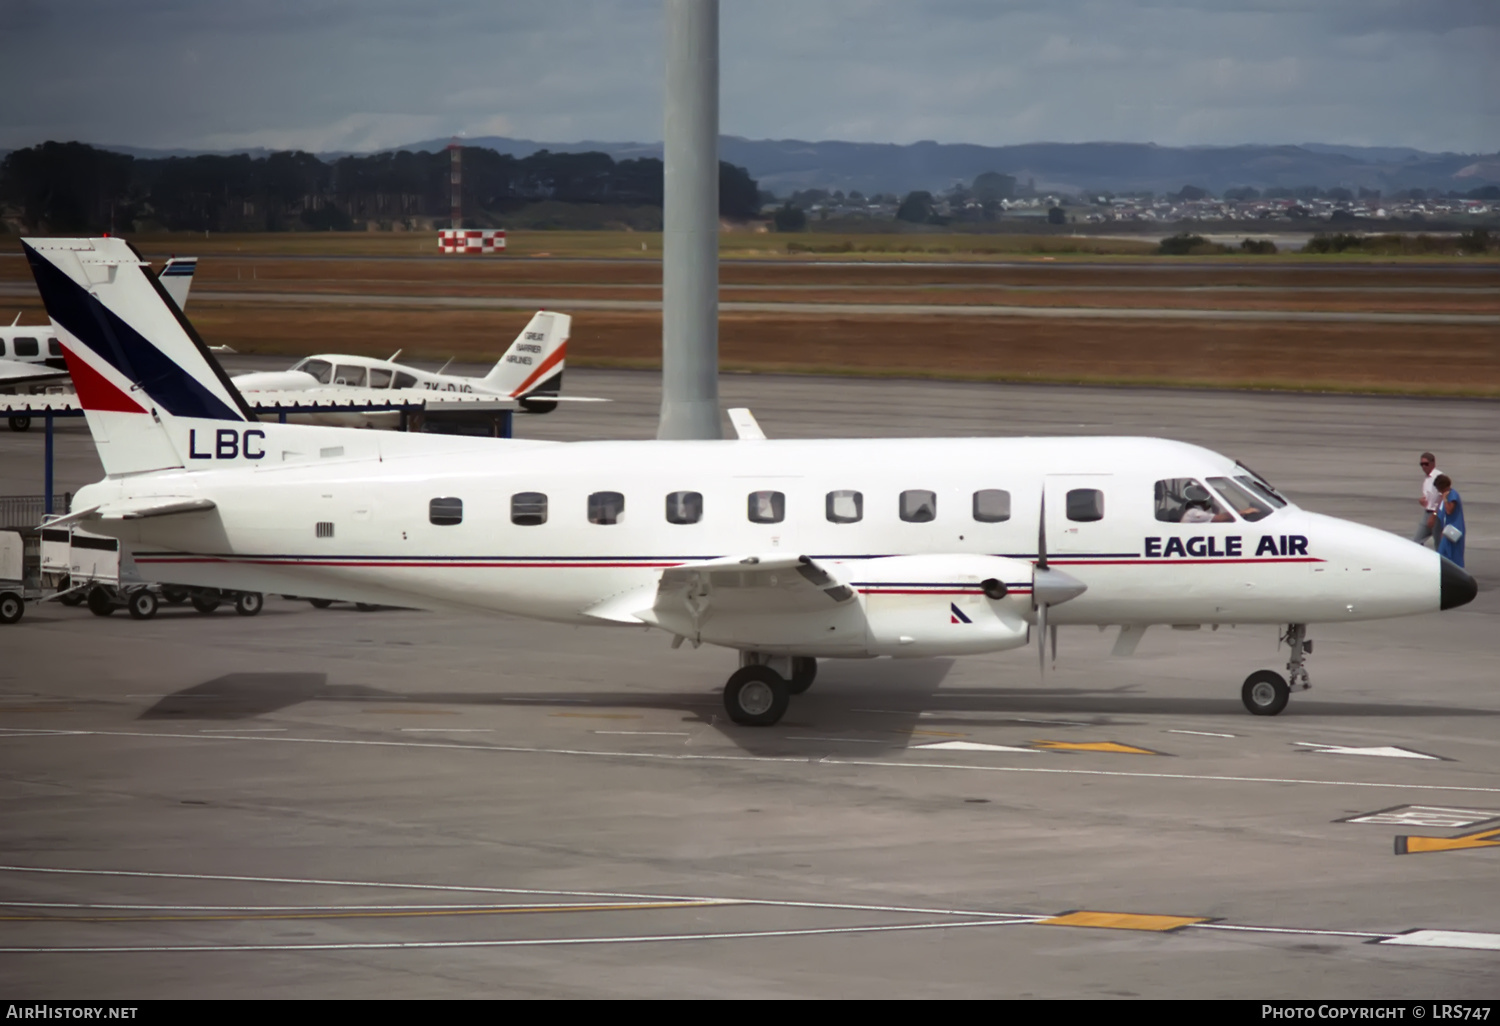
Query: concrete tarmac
{"x": 403, "y": 804}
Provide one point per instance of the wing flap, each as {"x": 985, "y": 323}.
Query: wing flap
{"x": 761, "y": 602}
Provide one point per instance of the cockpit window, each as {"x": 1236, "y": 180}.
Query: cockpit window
{"x": 1258, "y": 484}
{"x": 1249, "y": 506}
{"x": 1184, "y": 500}
{"x": 1262, "y": 489}
{"x": 350, "y": 375}
{"x": 319, "y": 369}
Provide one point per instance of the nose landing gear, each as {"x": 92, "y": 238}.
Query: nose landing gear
{"x": 1266, "y": 692}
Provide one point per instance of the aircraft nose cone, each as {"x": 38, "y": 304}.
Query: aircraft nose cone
{"x": 1458, "y": 588}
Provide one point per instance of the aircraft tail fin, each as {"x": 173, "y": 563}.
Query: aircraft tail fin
{"x": 177, "y": 279}
{"x": 147, "y": 383}
{"x": 532, "y": 368}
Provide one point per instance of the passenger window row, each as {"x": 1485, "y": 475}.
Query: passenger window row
{"x": 26, "y": 346}
{"x": 845, "y": 506}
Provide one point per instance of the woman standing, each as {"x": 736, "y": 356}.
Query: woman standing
{"x": 1449, "y": 529}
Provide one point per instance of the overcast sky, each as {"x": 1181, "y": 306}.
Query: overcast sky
{"x": 366, "y": 74}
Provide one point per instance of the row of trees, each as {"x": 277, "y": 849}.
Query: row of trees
{"x": 71, "y": 187}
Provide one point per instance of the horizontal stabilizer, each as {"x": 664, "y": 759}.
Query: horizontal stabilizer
{"x": 137, "y": 509}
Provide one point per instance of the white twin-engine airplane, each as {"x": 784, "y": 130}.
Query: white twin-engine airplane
{"x": 31, "y": 355}
{"x": 788, "y": 551}
{"x": 529, "y": 372}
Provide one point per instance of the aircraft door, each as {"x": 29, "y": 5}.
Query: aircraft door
{"x": 1083, "y": 514}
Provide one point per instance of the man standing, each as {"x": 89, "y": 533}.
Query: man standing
{"x": 1429, "y": 500}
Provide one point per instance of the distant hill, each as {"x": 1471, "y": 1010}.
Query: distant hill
{"x": 785, "y": 165}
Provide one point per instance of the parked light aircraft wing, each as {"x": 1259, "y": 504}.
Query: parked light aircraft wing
{"x": 14, "y": 372}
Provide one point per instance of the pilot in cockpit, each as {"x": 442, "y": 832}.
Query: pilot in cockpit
{"x": 1200, "y": 508}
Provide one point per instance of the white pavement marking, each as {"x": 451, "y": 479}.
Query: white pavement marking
{"x": 447, "y": 730}
{"x": 242, "y": 730}
{"x": 648, "y": 733}
{"x": 771, "y": 902}
{"x": 1286, "y": 929}
{"x": 1381, "y": 751}
{"x": 1446, "y": 939}
{"x": 1201, "y": 733}
{"x": 309, "y": 908}
{"x": 973, "y": 746}
{"x": 797, "y": 759}
{"x": 1436, "y": 817}
{"x": 855, "y": 740}
{"x": 522, "y": 943}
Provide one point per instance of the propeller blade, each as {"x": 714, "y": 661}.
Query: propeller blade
{"x": 1041, "y": 637}
{"x": 1041, "y": 536}
{"x": 1054, "y": 646}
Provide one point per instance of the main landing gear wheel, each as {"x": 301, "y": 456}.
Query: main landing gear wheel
{"x": 174, "y": 596}
{"x": 320, "y": 603}
{"x": 804, "y": 672}
{"x": 1265, "y": 693}
{"x": 206, "y": 601}
{"x": 100, "y": 602}
{"x": 249, "y": 603}
{"x": 20, "y": 423}
{"x": 756, "y": 696}
{"x": 11, "y": 607}
{"x": 142, "y": 605}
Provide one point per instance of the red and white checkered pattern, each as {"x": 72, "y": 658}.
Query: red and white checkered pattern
{"x": 471, "y": 240}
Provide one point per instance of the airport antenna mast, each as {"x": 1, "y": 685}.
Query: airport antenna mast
{"x": 456, "y": 184}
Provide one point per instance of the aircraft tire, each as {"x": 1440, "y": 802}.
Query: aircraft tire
{"x": 20, "y": 423}
{"x": 174, "y": 596}
{"x": 206, "y": 601}
{"x": 1265, "y": 693}
{"x": 142, "y": 605}
{"x": 804, "y": 672}
{"x": 12, "y": 608}
{"x": 101, "y": 603}
{"x": 249, "y": 603}
{"x": 756, "y": 696}
{"x": 320, "y": 603}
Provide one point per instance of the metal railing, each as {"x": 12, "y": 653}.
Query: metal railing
{"x": 28, "y": 510}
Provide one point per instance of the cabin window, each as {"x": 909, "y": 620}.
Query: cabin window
{"x": 918, "y": 506}
{"x": 380, "y": 377}
{"x": 845, "y": 507}
{"x": 684, "y": 507}
{"x": 991, "y": 505}
{"x": 1249, "y": 506}
{"x": 1183, "y": 500}
{"x": 767, "y": 507}
{"x": 528, "y": 509}
{"x": 26, "y": 347}
{"x": 606, "y": 508}
{"x": 350, "y": 375}
{"x": 1085, "y": 505}
{"x": 446, "y": 512}
{"x": 324, "y": 529}
{"x": 54, "y": 347}
{"x": 321, "y": 370}
{"x": 404, "y": 380}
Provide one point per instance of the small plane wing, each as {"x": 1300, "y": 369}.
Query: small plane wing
{"x": 14, "y": 372}
{"x": 763, "y": 600}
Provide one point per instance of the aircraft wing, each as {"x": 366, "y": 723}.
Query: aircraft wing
{"x": 14, "y": 372}
{"x": 764, "y": 601}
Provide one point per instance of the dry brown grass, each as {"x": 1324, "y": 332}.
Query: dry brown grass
{"x": 1337, "y": 357}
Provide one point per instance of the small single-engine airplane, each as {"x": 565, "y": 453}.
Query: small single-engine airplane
{"x": 31, "y": 355}
{"x": 530, "y": 371}
{"x": 787, "y": 551}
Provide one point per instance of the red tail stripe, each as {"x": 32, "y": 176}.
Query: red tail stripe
{"x": 95, "y": 391}
{"x": 547, "y": 364}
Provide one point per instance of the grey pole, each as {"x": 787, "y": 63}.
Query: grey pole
{"x": 690, "y": 221}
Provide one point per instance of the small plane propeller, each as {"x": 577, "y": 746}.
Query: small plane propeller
{"x": 1049, "y": 587}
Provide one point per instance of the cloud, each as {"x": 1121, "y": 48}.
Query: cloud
{"x": 347, "y": 74}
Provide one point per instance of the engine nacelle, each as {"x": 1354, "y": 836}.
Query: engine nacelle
{"x": 943, "y": 604}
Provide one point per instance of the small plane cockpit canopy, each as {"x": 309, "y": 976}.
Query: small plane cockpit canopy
{"x": 321, "y": 370}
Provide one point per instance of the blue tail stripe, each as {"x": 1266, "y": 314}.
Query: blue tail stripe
{"x": 99, "y": 328}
